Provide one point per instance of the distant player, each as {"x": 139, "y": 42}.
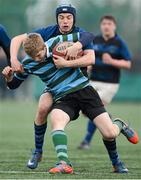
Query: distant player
{"x": 71, "y": 92}
{"x": 5, "y": 42}
{"x": 112, "y": 55}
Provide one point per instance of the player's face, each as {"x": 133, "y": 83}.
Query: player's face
{"x": 65, "y": 22}
{"x": 41, "y": 55}
{"x": 108, "y": 27}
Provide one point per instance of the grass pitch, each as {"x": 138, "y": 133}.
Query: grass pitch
{"x": 16, "y": 141}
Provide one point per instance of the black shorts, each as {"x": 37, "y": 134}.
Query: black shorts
{"x": 86, "y": 100}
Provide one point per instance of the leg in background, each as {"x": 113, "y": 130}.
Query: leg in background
{"x": 40, "y": 126}
{"x": 91, "y": 129}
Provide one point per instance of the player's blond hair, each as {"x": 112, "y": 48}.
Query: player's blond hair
{"x": 33, "y": 44}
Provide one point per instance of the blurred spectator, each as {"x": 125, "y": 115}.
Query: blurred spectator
{"x": 4, "y": 58}
{"x": 3, "y": 63}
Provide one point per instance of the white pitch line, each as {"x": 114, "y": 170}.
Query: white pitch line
{"x": 24, "y": 172}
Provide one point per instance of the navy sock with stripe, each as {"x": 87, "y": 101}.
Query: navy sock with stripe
{"x": 39, "y": 136}
{"x": 112, "y": 151}
{"x": 91, "y": 128}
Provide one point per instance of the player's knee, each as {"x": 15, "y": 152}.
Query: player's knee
{"x": 43, "y": 111}
{"x": 45, "y": 105}
{"x": 42, "y": 114}
{"x": 109, "y": 134}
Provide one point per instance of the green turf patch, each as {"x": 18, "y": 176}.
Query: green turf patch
{"x": 16, "y": 141}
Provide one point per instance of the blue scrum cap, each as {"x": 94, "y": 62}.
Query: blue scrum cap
{"x": 66, "y": 8}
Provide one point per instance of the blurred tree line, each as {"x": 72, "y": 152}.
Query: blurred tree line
{"x": 22, "y": 16}
{"x": 13, "y": 15}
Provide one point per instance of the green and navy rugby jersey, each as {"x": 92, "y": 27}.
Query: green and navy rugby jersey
{"x": 51, "y": 43}
{"x": 53, "y": 31}
{"x": 59, "y": 82}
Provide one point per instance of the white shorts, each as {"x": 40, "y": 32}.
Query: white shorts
{"x": 106, "y": 91}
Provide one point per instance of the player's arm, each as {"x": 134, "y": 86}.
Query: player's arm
{"x": 16, "y": 43}
{"x": 13, "y": 80}
{"x": 124, "y": 63}
{"x": 84, "y": 39}
{"x": 81, "y": 40}
{"x": 5, "y": 43}
{"x": 86, "y": 60}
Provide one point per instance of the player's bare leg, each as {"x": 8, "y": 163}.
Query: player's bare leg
{"x": 109, "y": 132}
{"x": 40, "y": 125}
{"x": 44, "y": 106}
{"x": 59, "y": 120}
{"x": 106, "y": 127}
{"x": 91, "y": 127}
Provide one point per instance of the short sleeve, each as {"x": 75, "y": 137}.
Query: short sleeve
{"x": 89, "y": 47}
{"x": 125, "y": 53}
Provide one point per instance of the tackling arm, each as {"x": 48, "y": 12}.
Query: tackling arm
{"x": 13, "y": 80}
{"x": 86, "y": 60}
{"x": 14, "y": 49}
{"x": 14, "y": 83}
{"x": 83, "y": 41}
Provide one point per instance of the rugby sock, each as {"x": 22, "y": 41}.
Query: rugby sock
{"x": 59, "y": 138}
{"x": 39, "y": 136}
{"x": 112, "y": 151}
{"x": 91, "y": 128}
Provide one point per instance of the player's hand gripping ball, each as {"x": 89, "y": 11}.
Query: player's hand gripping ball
{"x": 61, "y": 49}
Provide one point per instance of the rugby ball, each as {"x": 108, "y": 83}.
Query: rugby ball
{"x": 60, "y": 49}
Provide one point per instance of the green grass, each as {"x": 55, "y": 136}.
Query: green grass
{"x": 16, "y": 140}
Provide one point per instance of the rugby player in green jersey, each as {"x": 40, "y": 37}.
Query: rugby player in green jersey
{"x": 75, "y": 96}
{"x": 66, "y": 23}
